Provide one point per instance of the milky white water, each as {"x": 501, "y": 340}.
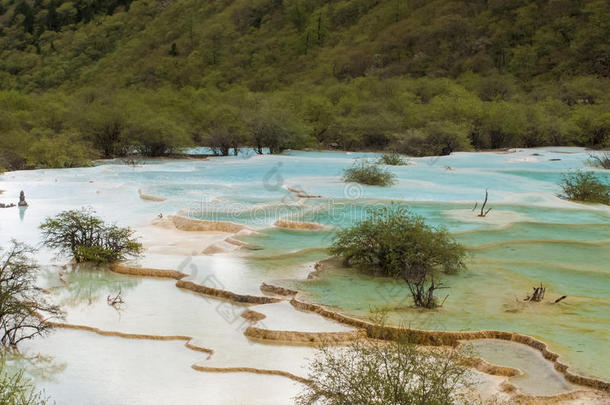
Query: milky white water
{"x": 530, "y": 236}
{"x": 529, "y": 361}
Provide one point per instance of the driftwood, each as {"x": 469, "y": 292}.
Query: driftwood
{"x": 301, "y": 193}
{"x": 602, "y": 160}
{"x": 537, "y": 295}
{"x": 483, "y": 212}
{"x": 115, "y": 301}
{"x": 563, "y": 297}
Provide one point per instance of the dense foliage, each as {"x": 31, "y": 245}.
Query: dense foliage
{"x": 24, "y": 308}
{"x": 368, "y": 173}
{"x": 402, "y": 245}
{"x": 88, "y": 238}
{"x": 380, "y": 373}
{"x": 80, "y": 79}
{"x": 15, "y": 389}
{"x": 585, "y": 186}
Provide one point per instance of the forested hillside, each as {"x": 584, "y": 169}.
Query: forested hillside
{"x": 100, "y": 78}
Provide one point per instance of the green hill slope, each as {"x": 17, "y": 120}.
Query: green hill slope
{"x": 103, "y": 78}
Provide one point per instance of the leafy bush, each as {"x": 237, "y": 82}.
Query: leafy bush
{"x": 379, "y": 373}
{"x": 401, "y": 244}
{"x": 87, "y": 238}
{"x": 369, "y": 174}
{"x": 393, "y": 159}
{"x": 435, "y": 139}
{"x": 15, "y": 389}
{"x": 585, "y": 186}
{"x": 59, "y": 151}
{"x": 94, "y": 254}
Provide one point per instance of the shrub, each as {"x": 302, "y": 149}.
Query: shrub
{"x": 435, "y": 139}
{"x": 401, "y": 244}
{"x": 87, "y": 238}
{"x": 65, "y": 150}
{"x": 23, "y": 307}
{"x": 15, "y": 389}
{"x": 379, "y": 373}
{"x": 393, "y": 159}
{"x": 369, "y": 174}
{"x": 94, "y": 254}
{"x": 585, "y": 186}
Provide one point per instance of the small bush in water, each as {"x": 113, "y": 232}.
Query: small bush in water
{"x": 585, "y": 186}
{"x": 369, "y": 174}
{"x": 402, "y": 245}
{"x": 393, "y": 159}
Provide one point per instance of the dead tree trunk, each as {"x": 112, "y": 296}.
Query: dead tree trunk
{"x": 116, "y": 301}
{"x": 483, "y": 212}
{"x": 537, "y": 295}
{"x": 422, "y": 286}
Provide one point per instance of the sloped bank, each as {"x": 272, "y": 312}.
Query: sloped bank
{"x": 252, "y": 316}
{"x": 290, "y": 337}
{"x": 442, "y": 338}
{"x": 146, "y": 272}
{"x": 519, "y": 398}
{"x": 372, "y": 330}
{"x": 150, "y": 197}
{"x": 296, "y": 337}
{"x": 189, "y": 285}
{"x": 199, "y": 225}
{"x": 224, "y": 294}
{"x": 250, "y": 370}
{"x": 276, "y": 290}
{"x": 308, "y": 226}
{"x": 188, "y": 339}
{"x": 286, "y": 337}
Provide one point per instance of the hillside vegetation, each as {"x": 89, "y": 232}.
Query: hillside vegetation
{"x": 101, "y": 78}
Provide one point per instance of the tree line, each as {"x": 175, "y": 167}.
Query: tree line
{"x": 412, "y": 116}
{"x": 83, "y": 80}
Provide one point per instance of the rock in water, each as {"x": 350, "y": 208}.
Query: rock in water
{"x": 22, "y": 202}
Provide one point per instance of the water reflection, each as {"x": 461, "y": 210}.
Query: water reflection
{"x": 538, "y": 377}
{"x": 37, "y": 366}
{"x": 22, "y": 211}
{"x": 86, "y": 283}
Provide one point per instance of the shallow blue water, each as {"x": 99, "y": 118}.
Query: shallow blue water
{"x": 255, "y": 190}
